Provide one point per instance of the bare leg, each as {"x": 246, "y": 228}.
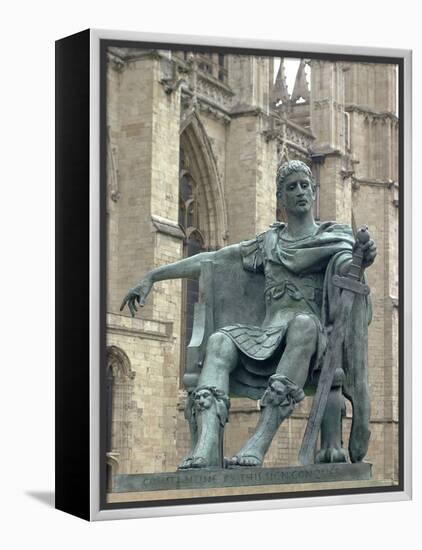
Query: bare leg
{"x": 284, "y": 391}
{"x": 300, "y": 346}
{"x": 220, "y": 360}
{"x": 211, "y": 403}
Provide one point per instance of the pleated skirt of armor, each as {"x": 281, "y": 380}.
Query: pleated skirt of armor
{"x": 260, "y": 350}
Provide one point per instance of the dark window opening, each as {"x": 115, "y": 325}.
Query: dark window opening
{"x": 193, "y": 244}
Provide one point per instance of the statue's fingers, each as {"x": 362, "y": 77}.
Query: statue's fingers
{"x": 132, "y": 303}
{"x": 368, "y": 244}
{"x": 371, "y": 252}
{"x": 124, "y": 302}
{"x": 131, "y": 309}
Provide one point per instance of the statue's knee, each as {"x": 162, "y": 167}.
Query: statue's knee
{"x": 220, "y": 345}
{"x": 338, "y": 379}
{"x": 304, "y": 324}
{"x": 302, "y": 330}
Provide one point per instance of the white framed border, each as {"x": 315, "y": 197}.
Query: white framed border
{"x": 96, "y": 513}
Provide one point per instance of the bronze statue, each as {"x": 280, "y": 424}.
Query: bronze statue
{"x": 278, "y": 357}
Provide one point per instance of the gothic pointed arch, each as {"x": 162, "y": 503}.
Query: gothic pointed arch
{"x": 202, "y": 165}
{"x": 202, "y": 212}
{"x": 119, "y": 402}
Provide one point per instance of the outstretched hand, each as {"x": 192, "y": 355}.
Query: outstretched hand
{"x": 138, "y": 294}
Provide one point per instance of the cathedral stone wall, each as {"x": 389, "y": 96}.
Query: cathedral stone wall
{"x": 234, "y": 137}
{"x": 144, "y": 234}
{"x": 250, "y": 185}
{"x": 147, "y": 346}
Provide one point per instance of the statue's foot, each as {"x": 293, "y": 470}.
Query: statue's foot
{"x": 331, "y": 454}
{"x": 245, "y": 460}
{"x": 186, "y": 463}
{"x": 199, "y": 462}
{"x": 193, "y": 462}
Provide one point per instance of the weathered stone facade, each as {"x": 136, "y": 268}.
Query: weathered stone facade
{"x": 233, "y": 126}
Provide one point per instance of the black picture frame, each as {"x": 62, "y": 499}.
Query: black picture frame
{"x": 81, "y": 276}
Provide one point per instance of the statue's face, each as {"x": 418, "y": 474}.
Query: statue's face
{"x": 278, "y": 392}
{"x": 203, "y": 399}
{"x": 298, "y": 194}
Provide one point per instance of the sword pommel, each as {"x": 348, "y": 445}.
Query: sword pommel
{"x": 362, "y": 234}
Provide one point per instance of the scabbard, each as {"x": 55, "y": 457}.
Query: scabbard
{"x": 351, "y": 285}
{"x": 332, "y": 359}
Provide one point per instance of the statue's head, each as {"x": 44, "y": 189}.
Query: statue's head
{"x": 295, "y": 186}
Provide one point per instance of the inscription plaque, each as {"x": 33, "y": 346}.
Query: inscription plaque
{"x": 241, "y": 477}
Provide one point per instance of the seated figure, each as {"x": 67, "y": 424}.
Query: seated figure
{"x": 276, "y": 356}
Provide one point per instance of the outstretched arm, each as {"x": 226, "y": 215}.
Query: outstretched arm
{"x": 189, "y": 267}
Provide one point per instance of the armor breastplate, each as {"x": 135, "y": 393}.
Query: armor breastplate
{"x": 280, "y": 281}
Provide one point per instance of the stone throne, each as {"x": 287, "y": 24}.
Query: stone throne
{"x": 229, "y": 294}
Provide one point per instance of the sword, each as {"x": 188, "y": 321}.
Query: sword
{"x": 350, "y": 284}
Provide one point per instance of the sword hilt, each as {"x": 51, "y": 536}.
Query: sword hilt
{"x": 362, "y": 237}
{"x": 352, "y": 281}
